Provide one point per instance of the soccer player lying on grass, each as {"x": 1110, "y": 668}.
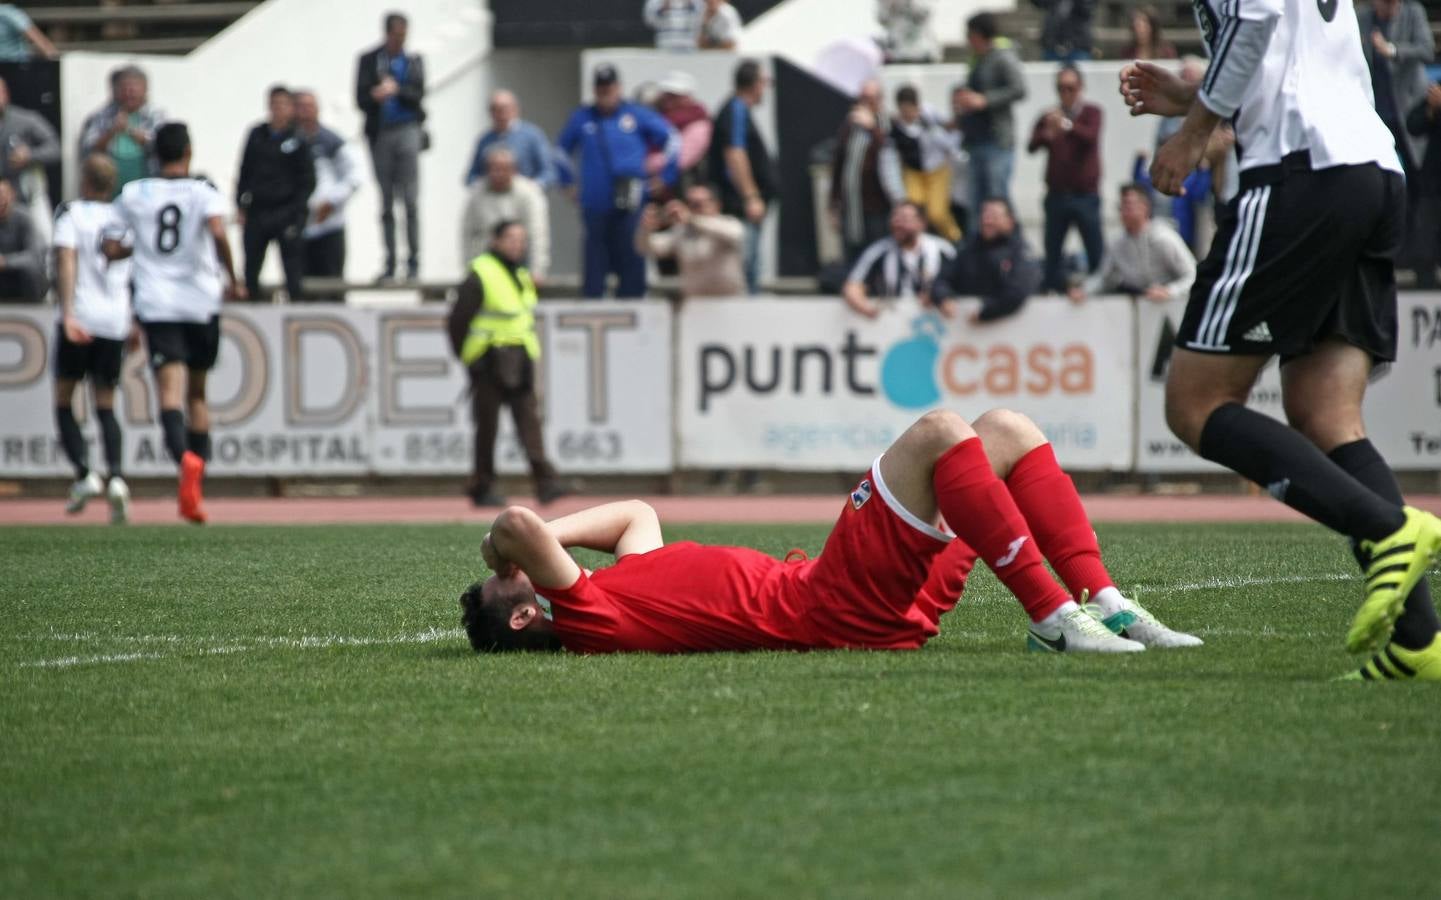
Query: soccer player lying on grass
{"x": 884, "y": 578}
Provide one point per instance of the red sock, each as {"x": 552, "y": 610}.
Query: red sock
{"x": 1047, "y": 498}
{"x": 981, "y": 512}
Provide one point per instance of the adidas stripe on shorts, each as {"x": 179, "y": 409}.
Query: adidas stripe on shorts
{"x": 1301, "y": 256}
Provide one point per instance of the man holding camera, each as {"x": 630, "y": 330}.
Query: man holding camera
{"x": 627, "y": 153}
{"x": 706, "y": 244}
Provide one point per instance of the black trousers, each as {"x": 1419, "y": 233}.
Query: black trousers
{"x": 325, "y": 258}
{"x": 505, "y": 376}
{"x": 262, "y": 227}
{"x": 325, "y": 255}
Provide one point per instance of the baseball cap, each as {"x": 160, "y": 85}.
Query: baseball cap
{"x": 604, "y": 74}
{"x": 679, "y": 83}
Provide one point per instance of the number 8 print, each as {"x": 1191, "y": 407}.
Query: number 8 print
{"x": 168, "y": 238}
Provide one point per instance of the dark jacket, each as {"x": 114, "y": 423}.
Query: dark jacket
{"x": 1422, "y": 126}
{"x": 372, "y": 68}
{"x": 277, "y": 174}
{"x": 1001, "y": 272}
{"x": 735, "y": 127}
{"x": 999, "y": 76}
{"x": 1415, "y": 50}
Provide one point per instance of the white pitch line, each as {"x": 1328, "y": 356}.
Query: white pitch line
{"x": 66, "y": 662}
{"x": 218, "y": 646}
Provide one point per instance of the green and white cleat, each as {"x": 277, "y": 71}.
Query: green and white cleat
{"x": 1077, "y": 631}
{"x": 83, "y": 491}
{"x": 1134, "y": 622}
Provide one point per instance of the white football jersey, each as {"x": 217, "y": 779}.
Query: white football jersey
{"x": 1291, "y": 76}
{"x": 102, "y": 287}
{"x": 177, "y": 277}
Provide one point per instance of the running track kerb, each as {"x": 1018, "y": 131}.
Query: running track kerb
{"x": 747, "y": 509}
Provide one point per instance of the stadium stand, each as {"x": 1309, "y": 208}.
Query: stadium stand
{"x": 130, "y": 26}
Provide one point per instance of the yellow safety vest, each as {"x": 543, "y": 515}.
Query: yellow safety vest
{"x": 507, "y": 312}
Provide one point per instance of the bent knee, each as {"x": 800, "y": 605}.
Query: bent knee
{"x": 944, "y": 427}
{"x": 1010, "y": 423}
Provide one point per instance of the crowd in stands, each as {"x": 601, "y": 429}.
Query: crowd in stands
{"x": 919, "y": 192}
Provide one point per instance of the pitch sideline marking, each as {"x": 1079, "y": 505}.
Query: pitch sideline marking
{"x": 217, "y": 646}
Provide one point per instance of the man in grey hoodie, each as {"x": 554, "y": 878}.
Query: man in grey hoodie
{"x": 983, "y": 108}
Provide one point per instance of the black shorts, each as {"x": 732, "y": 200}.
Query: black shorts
{"x": 99, "y": 360}
{"x": 1301, "y": 256}
{"x": 196, "y": 344}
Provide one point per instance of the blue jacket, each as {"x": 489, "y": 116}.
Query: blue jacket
{"x": 616, "y": 147}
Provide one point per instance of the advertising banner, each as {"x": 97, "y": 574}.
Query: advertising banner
{"x": 321, "y": 391}
{"x": 806, "y": 384}
{"x": 1403, "y": 404}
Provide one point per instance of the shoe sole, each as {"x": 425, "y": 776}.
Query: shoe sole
{"x": 1377, "y": 616}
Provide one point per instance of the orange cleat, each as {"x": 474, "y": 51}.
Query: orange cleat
{"x": 192, "y": 470}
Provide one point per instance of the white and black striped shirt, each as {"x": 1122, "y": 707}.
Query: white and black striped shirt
{"x": 888, "y": 271}
{"x": 1291, "y": 76}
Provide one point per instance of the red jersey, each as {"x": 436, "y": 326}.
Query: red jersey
{"x": 882, "y": 582}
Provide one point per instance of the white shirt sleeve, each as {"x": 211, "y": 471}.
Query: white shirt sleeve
{"x": 214, "y": 203}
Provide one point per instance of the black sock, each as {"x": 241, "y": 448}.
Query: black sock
{"x": 110, "y": 437}
{"x": 73, "y": 441}
{"x": 173, "y": 421}
{"x": 1296, "y": 472}
{"x": 198, "y": 442}
{"x": 1418, "y": 624}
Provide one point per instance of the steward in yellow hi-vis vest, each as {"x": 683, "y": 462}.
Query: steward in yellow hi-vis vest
{"x": 492, "y": 331}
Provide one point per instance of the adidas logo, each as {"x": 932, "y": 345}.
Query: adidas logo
{"x": 1261, "y": 334}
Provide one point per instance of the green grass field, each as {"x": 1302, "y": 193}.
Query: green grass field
{"x": 250, "y": 711}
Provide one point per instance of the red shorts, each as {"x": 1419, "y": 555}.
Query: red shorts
{"x": 870, "y": 585}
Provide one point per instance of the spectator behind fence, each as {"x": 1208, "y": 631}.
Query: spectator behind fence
{"x": 390, "y": 90}
{"x": 29, "y": 144}
{"x": 926, "y": 151}
{"x": 865, "y": 174}
{"x": 720, "y": 26}
{"x": 904, "y": 265}
{"x": 272, "y": 194}
{"x": 676, "y": 23}
{"x": 994, "y": 85}
{"x": 526, "y": 140}
{"x": 994, "y": 264}
{"x": 337, "y": 178}
{"x": 1147, "y": 40}
{"x": 678, "y": 106}
{"x": 1071, "y": 135}
{"x": 1066, "y": 29}
{"x": 740, "y": 162}
{"x": 22, "y": 252}
{"x": 1147, "y": 259}
{"x": 492, "y": 331}
{"x": 614, "y": 139}
{"x": 124, "y": 128}
{"x": 20, "y": 38}
{"x": 909, "y": 36}
{"x": 504, "y": 195}
{"x": 1398, "y": 44}
{"x": 705, "y": 243}
{"x": 1425, "y": 122}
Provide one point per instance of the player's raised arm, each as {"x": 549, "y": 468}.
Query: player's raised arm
{"x": 622, "y": 528}
{"x": 521, "y": 539}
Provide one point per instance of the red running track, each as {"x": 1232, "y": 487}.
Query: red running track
{"x": 784, "y": 509}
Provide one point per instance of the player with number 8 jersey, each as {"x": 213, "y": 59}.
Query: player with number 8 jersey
{"x": 179, "y": 246}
